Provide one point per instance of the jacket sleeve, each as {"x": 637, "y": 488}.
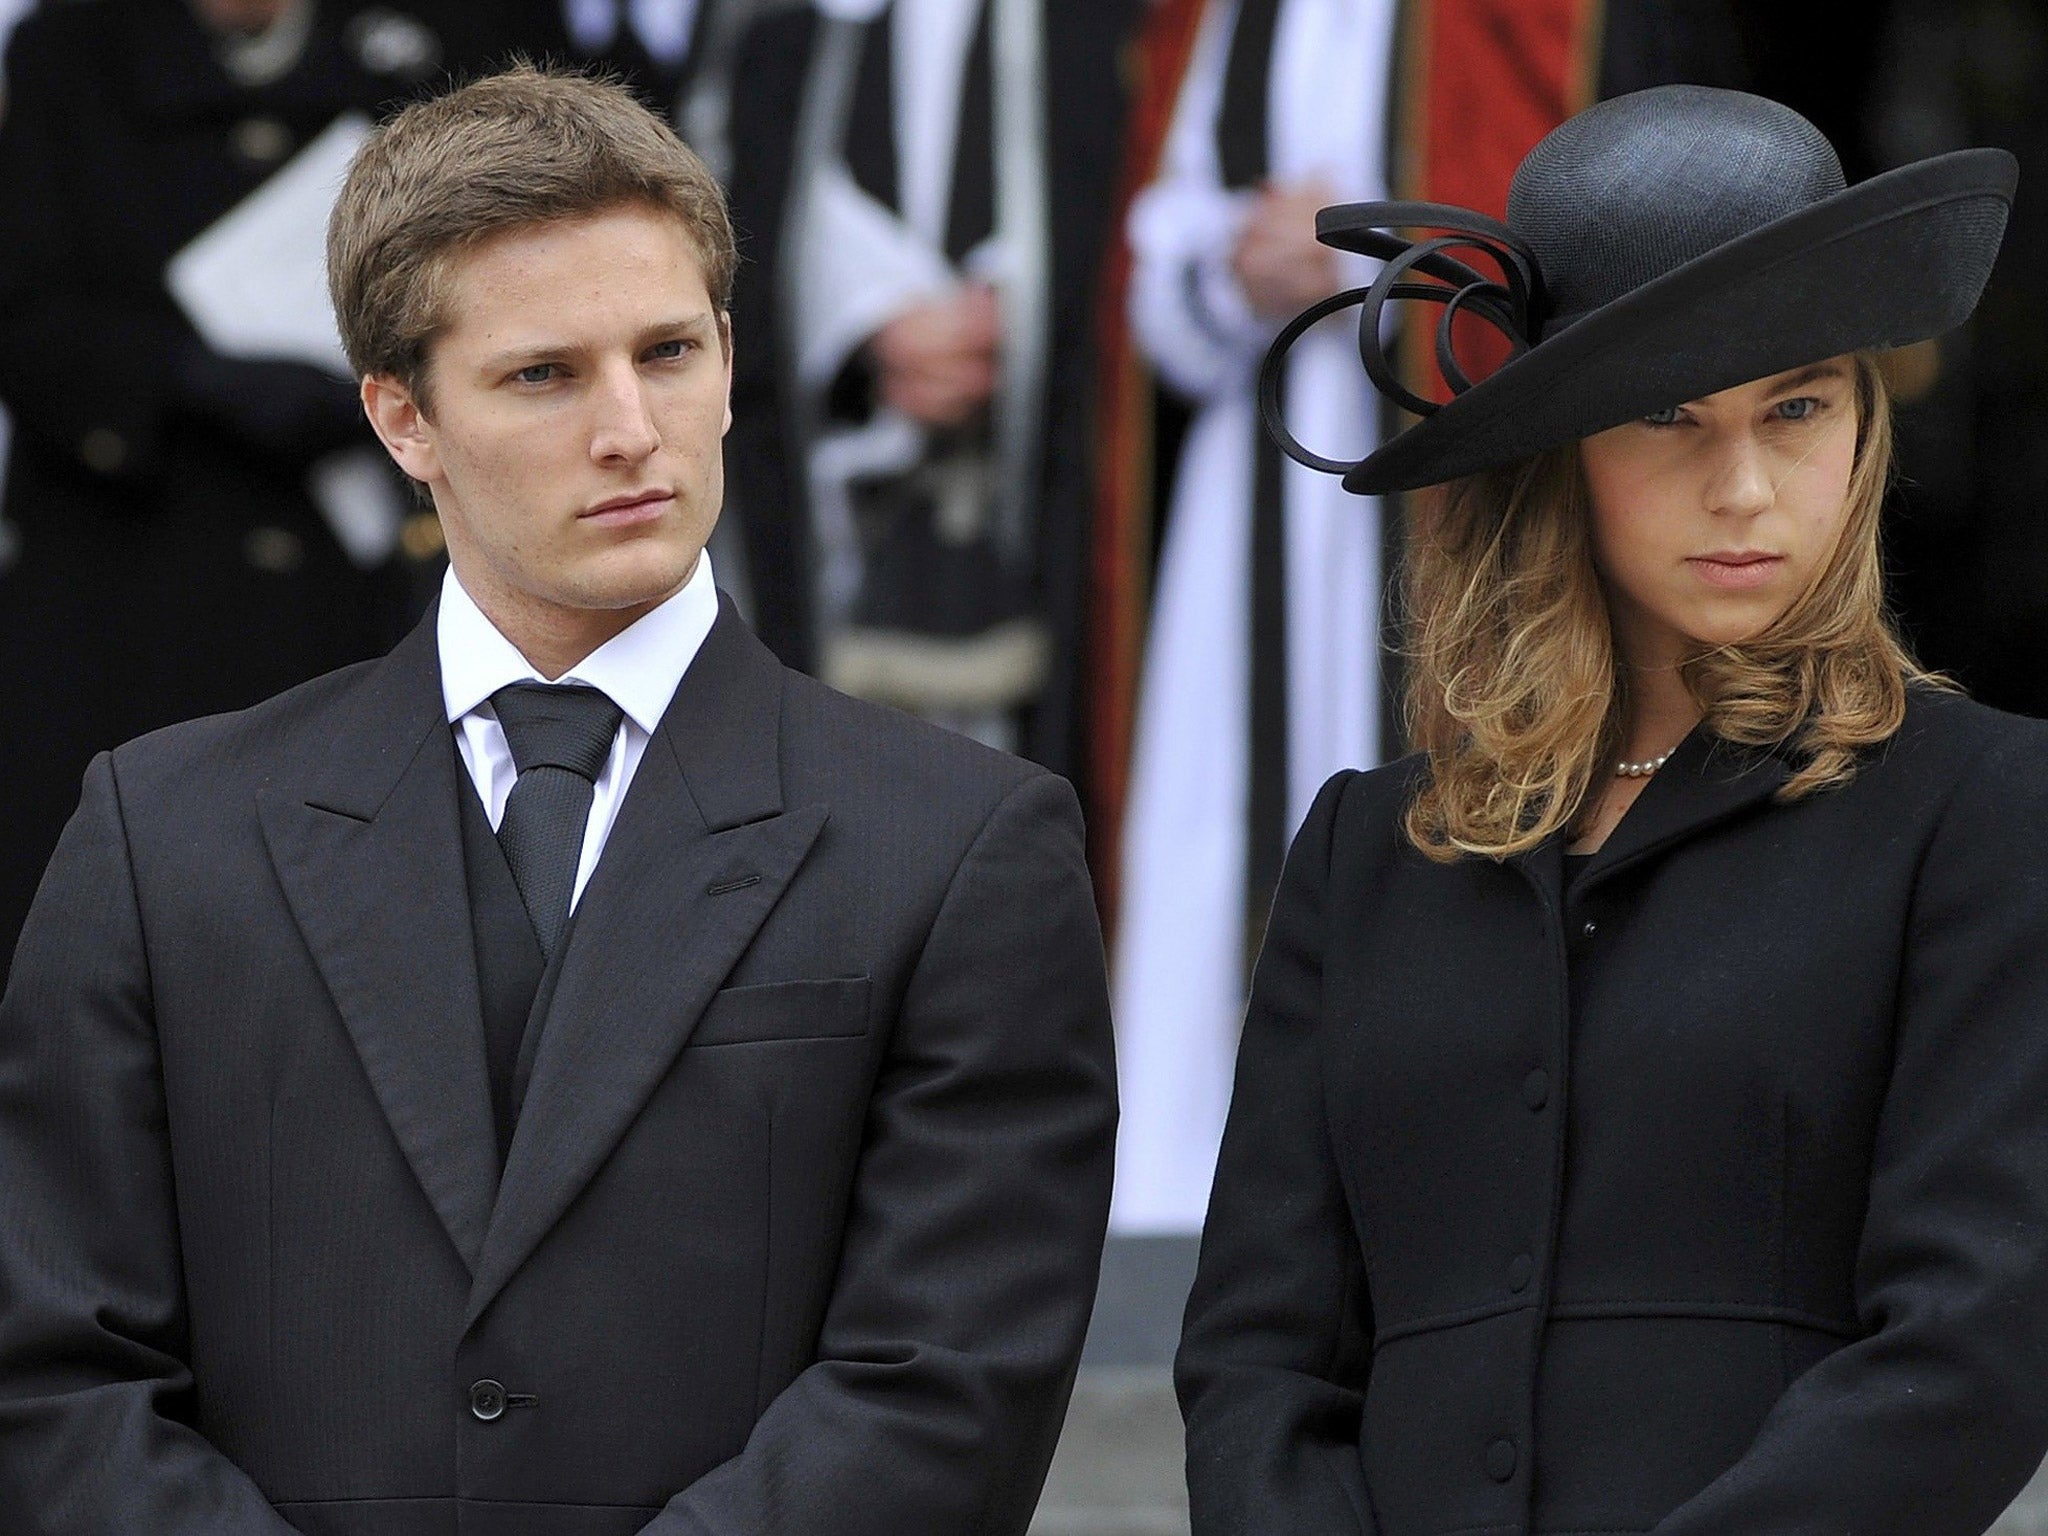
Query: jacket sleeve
{"x": 96, "y": 1398}
{"x": 83, "y": 370}
{"x": 974, "y": 1236}
{"x": 1274, "y": 1358}
{"x": 1931, "y": 1422}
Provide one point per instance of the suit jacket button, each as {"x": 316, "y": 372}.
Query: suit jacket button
{"x": 1536, "y": 1089}
{"x": 1500, "y": 1460}
{"x": 487, "y": 1399}
{"x": 1521, "y": 1270}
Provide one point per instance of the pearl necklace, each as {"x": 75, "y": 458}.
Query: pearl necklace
{"x": 1642, "y": 770}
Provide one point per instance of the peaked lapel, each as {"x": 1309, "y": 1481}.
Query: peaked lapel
{"x": 369, "y": 853}
{"x": 1704, "y": 783}
{"x": 701, "y": 852}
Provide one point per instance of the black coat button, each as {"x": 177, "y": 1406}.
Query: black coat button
{"x": 1589, "y": 929}
{"x": 1500, "y": 1460}
{"x": 1536, "y": 1089}
{"x": 1521, "y": 1270}
{"x": 487, "y": 1399}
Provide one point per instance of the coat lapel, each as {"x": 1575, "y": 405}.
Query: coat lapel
{"x": 1543, "y": 867}
{"x": 1705, "y": 782}
{"x": 369, "y": 853}
{"x": 701, "y": 852}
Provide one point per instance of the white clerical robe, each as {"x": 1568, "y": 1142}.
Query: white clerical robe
{"x": 1178, "y": 967}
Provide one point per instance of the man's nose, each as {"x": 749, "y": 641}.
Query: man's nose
{"x": 624, "y": 429}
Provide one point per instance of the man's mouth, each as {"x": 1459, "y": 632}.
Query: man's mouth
{"x": 633, "y": 507}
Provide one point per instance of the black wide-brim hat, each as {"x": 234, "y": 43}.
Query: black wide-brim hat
{"x": 1659, "y": 248}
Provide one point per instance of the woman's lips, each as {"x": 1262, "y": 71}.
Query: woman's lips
{"x": 628, "y": 513}
{"x": 1736, "y": 573}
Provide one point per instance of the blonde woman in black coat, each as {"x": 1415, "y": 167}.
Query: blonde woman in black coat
{"x": 1641, "y": 1123}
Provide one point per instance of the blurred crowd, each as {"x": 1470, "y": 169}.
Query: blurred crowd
{"x": 1010, "y": 268}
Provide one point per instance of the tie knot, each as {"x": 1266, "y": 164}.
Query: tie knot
{"x": 557, "y": 726}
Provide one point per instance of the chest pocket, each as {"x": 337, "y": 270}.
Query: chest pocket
{"x": 831, "y": 1009}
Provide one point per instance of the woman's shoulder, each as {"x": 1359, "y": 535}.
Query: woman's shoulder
{"x": 1357, "y": 818}
{"x": 1960, "y": 754}
{"x": 1367, "y": 797}
{"x": 1945, "y": 728}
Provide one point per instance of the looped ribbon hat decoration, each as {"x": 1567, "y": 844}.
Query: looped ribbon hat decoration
{"x": 1658, "y": 248}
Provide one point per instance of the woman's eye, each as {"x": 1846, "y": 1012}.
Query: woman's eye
{"x": 1668, "y": 417}
{"x": 1799, "y": 409}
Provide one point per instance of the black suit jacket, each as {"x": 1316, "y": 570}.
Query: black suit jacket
{"x": 800, "y": 1226}
{"x": 1708, "y": 1196}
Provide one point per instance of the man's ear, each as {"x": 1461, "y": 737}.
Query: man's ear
{"x": 403, "y": 428}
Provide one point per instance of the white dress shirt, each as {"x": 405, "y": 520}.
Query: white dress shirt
{"x": 638, "y": 669}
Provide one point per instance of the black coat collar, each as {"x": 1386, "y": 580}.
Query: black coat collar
{"x": 1706, "y": 781}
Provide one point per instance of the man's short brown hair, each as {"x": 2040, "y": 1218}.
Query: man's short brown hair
{"x": 525, "y": 147}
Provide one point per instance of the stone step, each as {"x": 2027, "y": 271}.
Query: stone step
{"x": 1118, "y": 1468}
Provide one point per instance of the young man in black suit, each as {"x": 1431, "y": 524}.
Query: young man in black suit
{"x": 571, "y": 1076}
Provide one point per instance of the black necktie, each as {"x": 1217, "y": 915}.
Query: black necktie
{"x": 560, "y": 736}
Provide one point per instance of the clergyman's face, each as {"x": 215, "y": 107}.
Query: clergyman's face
{"x": 1710, "y": 519}
{"x": 577, "y": 398}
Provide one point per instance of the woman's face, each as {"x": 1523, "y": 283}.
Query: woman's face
{"x": 1711, "y": 518}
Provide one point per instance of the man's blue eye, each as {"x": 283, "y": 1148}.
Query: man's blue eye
{"x": 536, "y": 373}
{"x": 670, "y": 349}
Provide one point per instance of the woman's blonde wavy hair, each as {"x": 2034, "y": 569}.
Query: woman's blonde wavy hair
{"x": 1514, "y": 690}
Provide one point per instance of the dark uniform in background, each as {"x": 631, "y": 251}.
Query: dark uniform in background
{"x": 667, "y": 51}
{"x": 1967, "y": 542}
{"x": 171, "y": 562}
{"x": 1083, "y": 40}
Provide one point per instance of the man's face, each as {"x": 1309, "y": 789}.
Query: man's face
{"x": 579, "y": 392}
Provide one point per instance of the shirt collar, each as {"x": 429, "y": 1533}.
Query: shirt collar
{"x": 638, "y": 669}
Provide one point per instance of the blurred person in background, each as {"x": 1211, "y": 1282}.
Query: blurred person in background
{"x": 171, "y": 560}
{"x": 923, "y": 187}
{"x": 663, "y": 50}
{"x": 1966, "y": 539}
{"x": 1261, "y": 673}
{"x": 11, "y": 12}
